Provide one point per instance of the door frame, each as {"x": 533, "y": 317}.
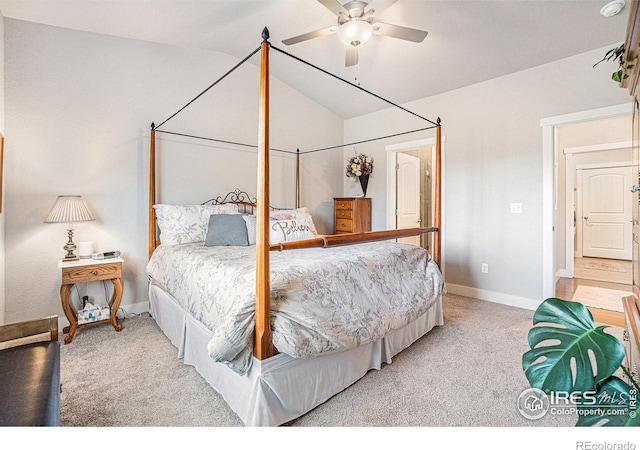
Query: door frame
{"x": 570, "y": 185}
{"x": 391, "y": 150}
{"x": 549, "y": 181}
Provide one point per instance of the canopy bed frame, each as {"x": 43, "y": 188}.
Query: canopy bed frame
{"x": 264, "y": 350}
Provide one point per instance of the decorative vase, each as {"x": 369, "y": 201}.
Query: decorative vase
{"x": 364, "y": 181}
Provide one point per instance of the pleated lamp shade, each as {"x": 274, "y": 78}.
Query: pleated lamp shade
{"x": 69, "y": 208}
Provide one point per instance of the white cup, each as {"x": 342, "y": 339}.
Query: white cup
{"x": 85, "y": 249}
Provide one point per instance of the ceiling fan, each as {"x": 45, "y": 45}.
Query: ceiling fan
{"x": 355, "y": 27}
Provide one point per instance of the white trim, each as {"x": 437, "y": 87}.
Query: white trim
{"x": 494, "y": 297}
{"x": 548, "y": 213}
{"x": 598, "y": 147}
{"x": 607, "y": 165}
{"x": 569, "y": 227}
{"x": 548, "y": 146}
{"x": 412, "y": 145}
{"x": 587, "y": 116}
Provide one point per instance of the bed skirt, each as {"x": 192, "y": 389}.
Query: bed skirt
{"x": 280, "y": 389}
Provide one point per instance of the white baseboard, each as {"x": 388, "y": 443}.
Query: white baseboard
{"x": 495, "y": 297}
{"x": 562, "y": 273}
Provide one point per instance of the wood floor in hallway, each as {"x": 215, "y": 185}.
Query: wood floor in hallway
{"x": 600, "y": 285}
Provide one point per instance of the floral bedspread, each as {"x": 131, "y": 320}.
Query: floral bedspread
{"x": 323, "y": 300}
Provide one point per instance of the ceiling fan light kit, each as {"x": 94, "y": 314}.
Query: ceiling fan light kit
{"x": 355, "y": 26}
{"x": 355, "y": 32}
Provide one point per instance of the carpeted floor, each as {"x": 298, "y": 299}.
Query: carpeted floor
{"x": 466, "y": 373}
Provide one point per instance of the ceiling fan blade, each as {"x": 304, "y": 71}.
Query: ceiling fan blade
{"x": 368, "y": 14}
{"x": 399, "y": 32}
{"x": 352, "y": 56}
{"x": 309, "y": 35}
{"x": 335, "y": 7}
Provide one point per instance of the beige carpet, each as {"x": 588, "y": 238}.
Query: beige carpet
{"x": 597, "y": 297}
{"x": 467, "y": 373}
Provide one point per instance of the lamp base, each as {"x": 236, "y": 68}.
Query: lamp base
{"x": 70, "y": 248}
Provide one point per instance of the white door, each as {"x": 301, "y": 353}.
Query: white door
{"x": 606, "y": 213}
{"x": 408, "y": 192}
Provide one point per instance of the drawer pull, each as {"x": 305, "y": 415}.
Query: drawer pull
{"x": 342, "y": 214}
{"x": 342, "y": 205}
{"x": 343, "y": 225}
{"x": 94, "y": 273}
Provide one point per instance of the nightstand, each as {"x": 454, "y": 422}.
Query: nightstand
{"x": 351, "y": 215}
{"x": 86, "y": 270}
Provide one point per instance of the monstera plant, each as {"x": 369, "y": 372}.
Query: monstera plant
{"x": 571, "y": 358}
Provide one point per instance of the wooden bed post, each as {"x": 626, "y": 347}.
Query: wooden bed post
{"x": 152, "y": 190}
{"x": 297, "y": 178}
{"x": 263, "y": 346}
{"x": 437, "y": 217}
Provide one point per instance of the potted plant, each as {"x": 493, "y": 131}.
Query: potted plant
{"x": 572, "y": 361}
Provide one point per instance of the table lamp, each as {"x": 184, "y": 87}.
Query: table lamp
{"x": 69, "y": 208}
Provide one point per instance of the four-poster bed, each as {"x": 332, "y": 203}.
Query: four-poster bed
{"x": 263, "y": 385}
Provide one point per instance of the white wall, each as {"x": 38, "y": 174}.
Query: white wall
{"x": 78, "y": 111}
{"x": 493, "y": 158}
{"x": 2, "y": 215}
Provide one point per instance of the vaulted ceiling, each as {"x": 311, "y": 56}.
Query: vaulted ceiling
{"x": 468, "y": 41}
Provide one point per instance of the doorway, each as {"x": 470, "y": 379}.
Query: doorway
{"x": 411, "y": 190}
{"x": 593, "y": 214}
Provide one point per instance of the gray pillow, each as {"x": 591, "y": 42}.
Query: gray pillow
{"x": 226, "y": 229}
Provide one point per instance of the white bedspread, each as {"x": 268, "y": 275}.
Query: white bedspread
{"x": 323, "y": 300}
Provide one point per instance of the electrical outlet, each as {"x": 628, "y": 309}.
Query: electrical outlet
{"x": 516, "y": 208}
{"x": 485, "y": 268}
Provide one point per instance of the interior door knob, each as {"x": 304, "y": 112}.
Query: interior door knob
{"x": 635, "y": 188}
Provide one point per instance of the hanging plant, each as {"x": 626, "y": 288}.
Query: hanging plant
{"x": 616, "y": 54}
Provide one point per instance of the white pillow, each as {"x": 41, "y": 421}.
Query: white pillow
{"x": 280, "y": 230}
{"x": 184, "y": 224}
{"x": 251, "y": 228}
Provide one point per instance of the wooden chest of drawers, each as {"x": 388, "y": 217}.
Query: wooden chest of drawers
{"x": 351, "y": 215}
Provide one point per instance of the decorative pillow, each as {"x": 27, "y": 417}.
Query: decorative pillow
{"x": 301, "y": 215}
{"x": 183, "y": 224}
{"x": 226, "y": 229}
{"x": 280, "y": 230}
{"x": 288, "y": 231}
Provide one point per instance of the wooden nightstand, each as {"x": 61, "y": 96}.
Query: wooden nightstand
{"x": 351, "y": 215}
{"x": 86, "y": 270}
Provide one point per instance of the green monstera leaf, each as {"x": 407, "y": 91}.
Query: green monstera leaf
{"x": 569, "y": 337}
{"x": 615, "y": 404}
